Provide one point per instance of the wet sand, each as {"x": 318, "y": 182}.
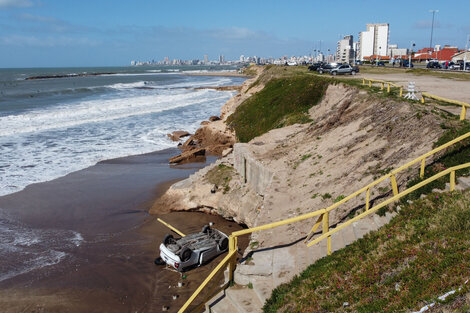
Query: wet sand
{"x": 112, "y": 270}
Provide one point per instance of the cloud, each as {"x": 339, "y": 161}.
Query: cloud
{"x": 48, "y": 41}
{"x": 16, "y": 3}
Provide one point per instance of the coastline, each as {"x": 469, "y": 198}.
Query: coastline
{"x": 221, "y": 74}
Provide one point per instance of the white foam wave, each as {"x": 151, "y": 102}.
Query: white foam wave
{"x": 95, "y": 111}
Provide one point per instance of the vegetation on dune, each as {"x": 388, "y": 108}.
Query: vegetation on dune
{"x": 283, "y": 101}
{"x": 221, "y": 175}
{"x": 423, "y": 253}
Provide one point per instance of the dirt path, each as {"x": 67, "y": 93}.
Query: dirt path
{"x": 447, "y": 88}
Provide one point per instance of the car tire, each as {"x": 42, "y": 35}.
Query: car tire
{"x": 353, "y": 72}
{"x": 320, "y": 72}
{"x": 223, "y": 244}
{"x": 167, "y": 239}
{"x": 205, "y": 229}
{"x": 159, "y": 261}
{"x": 185, "y": 254}
{"x": 333, "y": 73}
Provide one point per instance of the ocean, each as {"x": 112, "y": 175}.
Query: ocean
{"x": 54, "y": 127}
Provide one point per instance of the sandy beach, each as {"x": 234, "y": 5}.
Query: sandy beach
{"x": 111, "y": 269}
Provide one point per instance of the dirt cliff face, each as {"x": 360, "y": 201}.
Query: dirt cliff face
{"x": 354, "y": 138}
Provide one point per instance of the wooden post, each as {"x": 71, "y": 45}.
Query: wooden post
{"x": 423, "y": 164}
{"x": 232, "y": 245}
{"x": 367, "y": 199}
{"x": 370, "y": 83}
{"x": 326, "y": 227}
{"x": 422, "y": 99}
{"x": 388, "y": 87}
{"x": 394, "y": 185}
{"x": 363, "y": 82}
{"x": 381, "y": 86}
{"x": 452, "y": 181}
{"x": 463, "y": 113}
{"x": 401, "y": 92}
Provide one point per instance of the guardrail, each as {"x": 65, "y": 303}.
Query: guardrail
{"x": 463, "y": 104}
{"x": 323, "y": 215}
{"x": 382, "y": 84}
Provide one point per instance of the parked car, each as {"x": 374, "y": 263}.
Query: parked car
{"x": 406, "y": 63}
{"x": 193, "y": 249}
{"x": 433, "y": 64}
{"x": 380, "y": 63}
{"x": 326, "y": 68}
{"x": 345, "y": 69}
{"x": 315, "y": 66}
{"x": 454, "y": 66}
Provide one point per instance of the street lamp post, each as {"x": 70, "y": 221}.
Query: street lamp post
{"x": 432, "y": 25}
{"x": 411, "y": 51}
{"x": 465, "y": 54}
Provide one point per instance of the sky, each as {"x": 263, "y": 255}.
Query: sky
{"x": 73, "y": 33}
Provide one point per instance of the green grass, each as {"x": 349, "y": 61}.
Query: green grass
{"x": 221, "y": 175}
{"x": 421, "y": 254}
{"x": 283, "y": 101}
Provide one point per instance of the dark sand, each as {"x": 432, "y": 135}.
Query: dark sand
{"x": 112, "y": 270}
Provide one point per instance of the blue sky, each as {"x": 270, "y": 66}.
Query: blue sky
{"x": 55, "y": 33}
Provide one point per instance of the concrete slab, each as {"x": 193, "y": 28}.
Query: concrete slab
{"x": 244, "y": 299}
{"x": 263, "y": 288}
{"x": 283, "y": 264}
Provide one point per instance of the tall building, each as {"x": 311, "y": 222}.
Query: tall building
{"x": 374, "y": 41}
{"x": 206, "y": 59}
{"x": 344, "y": 50}
{"x": 221, "y": 59}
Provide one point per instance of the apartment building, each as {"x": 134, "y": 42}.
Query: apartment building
{"x": 345, "y": 50}
{"x": 374, "y": 41}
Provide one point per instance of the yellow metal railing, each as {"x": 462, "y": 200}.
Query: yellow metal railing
{"x": 323, "y": 214}
{"x": 463, "y": 104}
{"x": 382, "y": 84}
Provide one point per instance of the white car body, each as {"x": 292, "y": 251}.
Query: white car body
{"x": 203, "y": 247}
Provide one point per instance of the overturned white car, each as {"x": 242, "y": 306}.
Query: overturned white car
{"x": 192, "y": 250}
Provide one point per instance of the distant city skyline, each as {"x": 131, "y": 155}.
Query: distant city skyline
{"x": 49, "y": 33}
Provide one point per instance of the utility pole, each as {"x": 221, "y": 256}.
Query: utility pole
{"x": 411, "y": 51}
{"x": 465, "y": 54}
{"x": 432, "y": 25}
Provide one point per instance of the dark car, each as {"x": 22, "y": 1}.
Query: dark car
{"x": 380, "y": 63}
{"x": 406, "y": 63}
{"x": 315, "y": 66}
{"x": 433, "y": 64}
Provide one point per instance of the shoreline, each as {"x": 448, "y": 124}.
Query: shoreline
{"x": 221, "y": 74}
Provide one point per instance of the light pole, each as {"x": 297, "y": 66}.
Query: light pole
{"x": 411, "y": 51}
{"x": 465, "y": 54}
{"x": 432, "y": 25}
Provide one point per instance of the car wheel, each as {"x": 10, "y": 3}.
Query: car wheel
{"x": 167, "y": 239}
{"x": 185, "y": 254}
{"x": 205, "y": 229}
{"x": 159, "y": 261}
{"x": 223, "y": 244}
{"x": 333, "y": 73}
{"x": 353, "y": 73}
{"x": 320, "y": 71}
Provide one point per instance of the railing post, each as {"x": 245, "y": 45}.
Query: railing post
{"x": 401, "y": 92}
{"x": 326, "y": 226}
{"x": 423, "y": 164}
{"x": 363, "y": 82}
{"x": 422, "y": 99}
{"x": 232, "y": 245}
{"x": 370, "y": 83}
{"x": 381, "y": 86}
{"x": 388, "y": 87}
{"x": 463, "y": 113}
{"x": 394, "y": 185}
{"x": 367, "y": 199}
{"x": 452, "y": 181}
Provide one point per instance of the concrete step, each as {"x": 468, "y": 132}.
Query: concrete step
{"x": 262, "y": 288}
{"x": 348, "y": 235}
{"x": 244, "y": 299}
{"x": 223, "y": 305}
{"x": 362, "y": 227}
{"x": 458, "y": 187}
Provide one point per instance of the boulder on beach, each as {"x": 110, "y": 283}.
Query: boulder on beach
{"x": 188, "y": 155}
{"x": 214, "y": 118}
{"x": 177, "y": 135}
{"x": 205, "y": 122}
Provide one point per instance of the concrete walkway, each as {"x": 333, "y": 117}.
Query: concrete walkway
{"x": 271, "y": 267}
